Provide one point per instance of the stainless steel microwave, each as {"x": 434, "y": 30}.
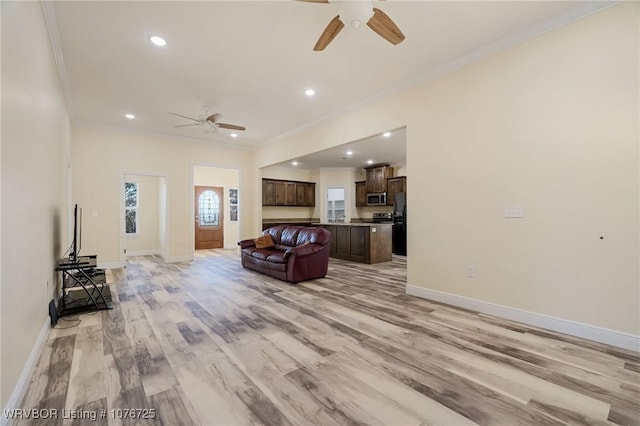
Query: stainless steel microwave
{"x": 377, "y": 199}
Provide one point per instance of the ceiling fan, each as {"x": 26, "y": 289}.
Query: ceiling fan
{"x": 208, "y": 122}
{"x": 354, "y": 13}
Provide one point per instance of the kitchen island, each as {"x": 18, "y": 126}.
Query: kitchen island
{"x": 360, "y": 242}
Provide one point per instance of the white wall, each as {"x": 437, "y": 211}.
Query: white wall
{"x": 147, "y": 238}
{"x": 399, "y": 170}
{"x": 550, "y": 125}
{"x": 35, "y": 152}
{"x": 227, "y": 179}
{"x": 98, "y": 188}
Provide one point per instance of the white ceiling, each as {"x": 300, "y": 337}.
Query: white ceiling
{"x": 251, "y": 61}
{"x": 390, "y": 149}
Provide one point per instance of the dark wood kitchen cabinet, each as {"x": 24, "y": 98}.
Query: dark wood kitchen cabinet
{"x": 277, "y": 192}
{"x": 301, "y": 194}
{"x": 361, "y": 194}
{"x": 395, "y": 184}
{"x": 268, "y": 193}
{"x": 310, "y": 195}
{"x": 360, "y": 243}
{"x": 290, "y": 195}
{"x": 281, "y": 191}
{"x": 376, "y": 178}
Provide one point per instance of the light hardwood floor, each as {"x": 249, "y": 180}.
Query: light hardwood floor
{"x": 208, "y": 342}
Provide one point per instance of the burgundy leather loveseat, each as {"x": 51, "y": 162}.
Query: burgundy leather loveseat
{"x": 300, "y": 253}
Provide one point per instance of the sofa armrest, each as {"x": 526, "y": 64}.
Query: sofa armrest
{"x": 246, "y": 243}
{"x": 304, "y": 250}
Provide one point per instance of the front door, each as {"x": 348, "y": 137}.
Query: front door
{"x": 209, "y": 224}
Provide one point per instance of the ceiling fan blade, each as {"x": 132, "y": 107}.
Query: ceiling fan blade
{"x": 385, "y": 27}
{"x": 184, "y": 116}
{"x": 185, "y": 125}
{"x": 329, "y": 33}
{"x": 213, "y": 117}
{"x": 229, "y": 126}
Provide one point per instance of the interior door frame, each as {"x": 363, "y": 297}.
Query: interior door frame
{"x": 241, "y": 201}
{"x": 123, "y": 238}
{"x": 347, "y": 211}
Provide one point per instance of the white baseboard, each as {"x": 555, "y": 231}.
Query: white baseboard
{"x": 574, "y": 328}
{"x": 23, "y": 381}
{"x": 144, "y": 253}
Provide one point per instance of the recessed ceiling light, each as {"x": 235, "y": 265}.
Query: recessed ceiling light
{"x": 158, "y": 41}
{"x": 370, "y": 162}
{"x": 294, "y": 163}
{"x": 130, "y": 116}
{"x": 309, "y": 92}
{"x": 349, "y": 152}
{"x": 234, "y": 135}
{"x": 386, "y": 134}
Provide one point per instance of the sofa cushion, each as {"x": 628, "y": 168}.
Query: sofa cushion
{"x": 275, "y": 232}
{"x": 279, "y": 257}
{"x": 264, "y": 241}
{"x": 313, "y": 235}
{"x": 263, "y": 254}
{"x": 263, "y": 265}
{"x": 289, "y": 236}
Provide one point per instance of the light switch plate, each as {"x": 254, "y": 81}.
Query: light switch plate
{"x": 513, "y": 212}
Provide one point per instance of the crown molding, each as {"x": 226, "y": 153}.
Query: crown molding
{"x": 526, "y": 34}
{"x": 56, "y": 48}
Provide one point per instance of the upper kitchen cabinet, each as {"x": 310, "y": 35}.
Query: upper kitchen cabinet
{"x": 376, "y": 178}
{"x": 361, "y": 194}
{"x": 288, "y": 193}
{"x": 281, "y": 191}
{"x": 395, "y": 184}
{"x": 268, "y": 193}
{"x": 310, "y": 194}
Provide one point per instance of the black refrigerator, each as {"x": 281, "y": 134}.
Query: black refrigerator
{"x": 400, "y": 223}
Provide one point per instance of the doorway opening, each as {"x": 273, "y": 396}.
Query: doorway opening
{"x": 216, "y": 205}
{"x": 336, "y": 205}
{"x": 143, "y": 215}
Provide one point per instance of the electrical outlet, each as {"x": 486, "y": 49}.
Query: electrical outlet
{"x": 471, "y": 271}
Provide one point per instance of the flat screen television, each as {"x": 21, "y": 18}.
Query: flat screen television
{"x": 76, "y": 244}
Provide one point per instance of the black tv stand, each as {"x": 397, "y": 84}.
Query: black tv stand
{"x": 84, "y": 287}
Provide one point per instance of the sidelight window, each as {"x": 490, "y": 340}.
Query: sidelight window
{"x": 131, "y": 207}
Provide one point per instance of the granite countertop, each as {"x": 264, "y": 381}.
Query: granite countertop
{"x": 296, "y": 220}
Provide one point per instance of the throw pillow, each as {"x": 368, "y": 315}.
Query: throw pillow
{"x": 264, "y": 242}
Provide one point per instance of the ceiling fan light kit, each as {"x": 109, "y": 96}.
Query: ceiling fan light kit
{"x": 353, "y": 14}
